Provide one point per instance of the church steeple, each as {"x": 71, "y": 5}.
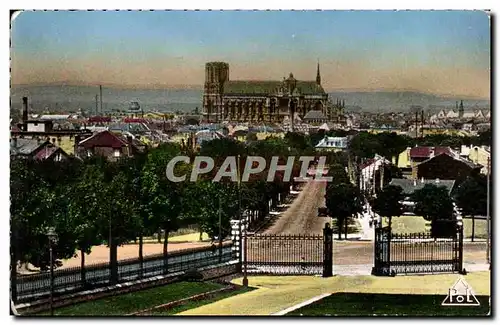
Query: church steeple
{"x": 318, "y": 76}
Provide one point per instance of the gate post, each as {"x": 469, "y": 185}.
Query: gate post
{"x": 327, "y": 251}
{"x": 460, "y": 230}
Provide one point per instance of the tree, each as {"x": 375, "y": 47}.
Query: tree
{"x": 435, "y": 204}
{"x": 471, "y": 198}
{"x": 84, "y": 204}
{"x": 390, "y": 171}
{"x": 343, "y": 201}
{"x": 388, "y": 202}
{"x": 163, "y": 199}
{"x": 252, "y": 136}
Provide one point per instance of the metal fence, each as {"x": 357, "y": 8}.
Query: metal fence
{"x": 31, "y": 287}
{"x": 417, "y": 253}
{"x": 285, "y": 254}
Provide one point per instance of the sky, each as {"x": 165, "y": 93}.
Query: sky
{"x": 437, "y": 52}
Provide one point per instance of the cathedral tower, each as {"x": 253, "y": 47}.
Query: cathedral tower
{"x": 318, "y": 76}
{"x": 216, "y": 74}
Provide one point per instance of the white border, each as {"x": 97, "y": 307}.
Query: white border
{"x": 187, "y": 4}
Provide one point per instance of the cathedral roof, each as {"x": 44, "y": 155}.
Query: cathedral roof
{"x": 254, "y": 87}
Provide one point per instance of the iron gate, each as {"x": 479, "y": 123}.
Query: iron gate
{"x": 291, "y": 254}
{"x": 417, "y": 253}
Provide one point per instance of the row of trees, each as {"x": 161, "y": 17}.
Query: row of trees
{"x": 366, "y": 145}
{"x": 435, "y": 204}
{"x": 94, "y": 201}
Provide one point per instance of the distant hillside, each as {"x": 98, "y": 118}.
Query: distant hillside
{"x": 71, "y": 98}
{"x": 386, "y": 101}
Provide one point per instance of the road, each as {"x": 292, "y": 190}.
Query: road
{"x": 301, "y": 216}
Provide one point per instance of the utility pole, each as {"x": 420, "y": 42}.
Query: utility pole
{"x": 100, "y": 96}
{"x": 220, "y": 230}
{"x": 96, "y": 105}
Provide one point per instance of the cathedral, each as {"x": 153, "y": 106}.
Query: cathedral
{"x": 263, "y": 101}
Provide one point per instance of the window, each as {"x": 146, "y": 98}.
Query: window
{"x": 116, "y": 153}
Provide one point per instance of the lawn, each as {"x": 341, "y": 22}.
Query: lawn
{"x": 481, "y": 228}
{"x": 362, "y": 304}
{"x": 408, "y": 224}
{"x": 275, "y": 294}
{"x": 417, "y": 224}
{"x": 198, "y": 303}
{"x": 135, "y": 301}
{"x": 352, "y": 226}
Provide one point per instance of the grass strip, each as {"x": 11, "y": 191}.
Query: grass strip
{"x": 364, "y": 304}
{"x": 139, "y": 300}
{"x": 190, "y": 304}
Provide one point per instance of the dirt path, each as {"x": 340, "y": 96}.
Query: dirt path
{"x": 301, "y": 217}
{"x": 100, "y": 254}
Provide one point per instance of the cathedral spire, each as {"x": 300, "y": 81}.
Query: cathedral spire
{"x": 318, "y": 76}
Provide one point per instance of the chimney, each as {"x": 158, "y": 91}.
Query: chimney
{"x": 437, "y": 180}
{"x": 422, "y": 180}
{"x": 25, "y": 113}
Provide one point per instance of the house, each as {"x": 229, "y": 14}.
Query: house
{"x": 452, "y": 114}
{"x": 332, "y": 143}
{"x": 469, "y": 115}
{"x": 409, "y": 186}
{"x": 479, "y": 114}
{"x": 447, "y": 166}
{"x": 110, "y": 145}
{"x": 36, "y": 149}
{"x": 207, "y": 135}
{"x": 480, "y": 155}
{"x": 67, "y": 140}
{"x": 368, "y": 170}
{"x": 314, "y": 116}
{"x": 418, "y": 154}
{"x": 441, "y": 114}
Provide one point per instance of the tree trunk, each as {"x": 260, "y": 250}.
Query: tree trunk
{"x": 113, "y": 261}
{"x": 339, "y": 228}
{"x": 346, "y": 225}
{"x": 390, "y": 222}
{"x": 165, "y": 252}
{"x": 473, "y": 227}
{"x": 82, "y": 268}
{"x": 159, "y": 236}
{"x": 141, "y": 257}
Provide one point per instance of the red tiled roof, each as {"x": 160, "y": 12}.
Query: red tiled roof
{"x": 134, "y": 120}
{"x": 440, "y": 150}
{"x": 46, "y": 152}
{"x": 104, "y": 139}
{"x": 100, "y": 119}
{"x": 427, "y": 152}
{"x": 367, "y": 163}
{"x": 420, "y": 152}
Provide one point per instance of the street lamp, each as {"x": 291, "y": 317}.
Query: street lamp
{"x": 52, "y": 235}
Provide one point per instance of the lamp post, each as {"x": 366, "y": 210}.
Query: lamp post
{"x": 52, "y": 235}
{"x": 245, "y": 278}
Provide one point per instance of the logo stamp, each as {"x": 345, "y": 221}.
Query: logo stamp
{"x": 460, "y": 294}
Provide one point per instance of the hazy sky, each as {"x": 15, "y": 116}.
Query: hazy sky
{"x": 441, "y": 52}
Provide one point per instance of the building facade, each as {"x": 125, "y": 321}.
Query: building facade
{"x": 262, "y": 101}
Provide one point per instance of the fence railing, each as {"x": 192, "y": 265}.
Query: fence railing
{"x": 36, "y": 286}
{"x": 285, "y": 254}
{"x": 417, "y": 253}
